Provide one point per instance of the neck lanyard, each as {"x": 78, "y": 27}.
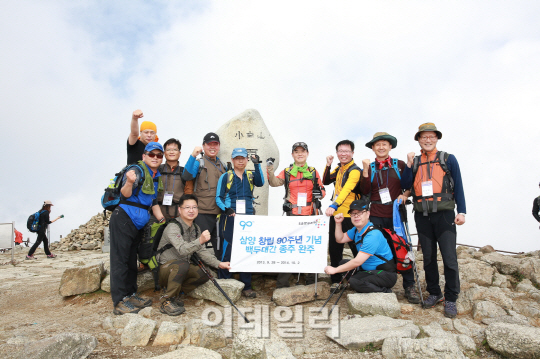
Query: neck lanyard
{"x": 429, "y": 173}
{"x": 173, "y": 179}
{"x": 220, "y": 169}
{"x": 377, "y": 177}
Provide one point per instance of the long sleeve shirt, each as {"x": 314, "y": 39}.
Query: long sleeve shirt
{"x": 239, "y": 190}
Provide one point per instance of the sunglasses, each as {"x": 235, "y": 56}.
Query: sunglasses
{"x": 152, "y": 155}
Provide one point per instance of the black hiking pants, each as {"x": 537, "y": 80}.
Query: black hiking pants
{"x": 439, "y": 228}
{"x": 374, "y": 281}
{"x": 125, "y": 239}
{"x": 408, "y": 277}
{"x": 336, "y": 249}
{"x": 209, "y": 222}
{"x": 41, "y": 238}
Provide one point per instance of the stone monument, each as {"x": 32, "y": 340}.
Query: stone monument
{"x": 249, "y": 130}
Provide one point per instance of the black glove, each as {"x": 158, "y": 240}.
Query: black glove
{"x": 270, "y": 161}
{"x": 229, "y": 211}
{"x": 255, "y": 159}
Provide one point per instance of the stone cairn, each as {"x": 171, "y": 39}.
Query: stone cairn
{"x": 88, "y": 236}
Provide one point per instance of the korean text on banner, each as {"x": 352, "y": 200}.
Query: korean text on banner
{"x": 293, "y": 244}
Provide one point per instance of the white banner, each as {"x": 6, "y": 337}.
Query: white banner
{"x": 294, "y": 244}
{"x": 6, "y": 235}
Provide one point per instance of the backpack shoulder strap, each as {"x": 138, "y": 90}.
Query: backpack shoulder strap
{"x": 443, "y": 158}
{"x": 251, "y": 178}
{"x": 416, "y": 163}
{"x": 396, "y": 168}
{"x": 373, "y": 170}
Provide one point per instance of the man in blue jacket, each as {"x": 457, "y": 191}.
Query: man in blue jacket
{"x": 140, "y": 187}
{"x": 234, "y": 195}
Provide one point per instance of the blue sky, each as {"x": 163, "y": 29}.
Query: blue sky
{"x": 316, "y": 71}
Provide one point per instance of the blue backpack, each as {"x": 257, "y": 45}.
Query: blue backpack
{"x": 394, "y": 166}
{"x": 33, "y": 222}
{"x": 112, "y": 196}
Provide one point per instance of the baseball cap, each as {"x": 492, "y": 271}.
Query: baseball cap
{"x": 240, "y": 151}
{"x": 300, "y": 144}
{"x": 359, "y": 205}
{"x": 48, "y": 202}
{"x": 210, "y": 137}
{"x": 153, "y": 146}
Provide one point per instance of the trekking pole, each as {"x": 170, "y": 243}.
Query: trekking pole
{"x": 195, "y": 257}
{"x": 335, "y": 290}
{"x": 403, "y": 214}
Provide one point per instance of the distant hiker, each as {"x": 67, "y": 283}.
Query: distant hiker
{"x": 42, "y": 232}
{"x": 374, "y": 263}
{"x": 139, "y": 137}
{"x": 345, "y": 177}
{"x": 140, "y": 187}
{"x": 303, "y": 191}
{"x": 173, "y": 184}
{"x": 536, "y": 208}
{"x": 18, "y": 237}
{"x": 235, "y": 196}
{"x": 181, "y": 238}
{"x": 437, "y": 189}
{"x": 385, "y": 180}
{"x": 205, "y": 173}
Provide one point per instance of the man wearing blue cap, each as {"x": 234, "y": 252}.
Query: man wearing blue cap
{"x": 140, "y": 186}
{"x": 234, "y": 195}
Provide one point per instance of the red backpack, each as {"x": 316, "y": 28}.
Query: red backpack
{"x": 398, "y": 246}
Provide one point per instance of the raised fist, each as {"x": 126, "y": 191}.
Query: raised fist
{"x": 410, "y": 158}
{"x": 196, "y": 151}
{"x": 329, "y": 160}
{"x": 205, "y": 237}
{"x": 255, "y": 159}
{"x": 137, "y": 114}
{"x": 366, "y": 163}
{"x": 339, "y": 217}
{"x": 131, "y": 177}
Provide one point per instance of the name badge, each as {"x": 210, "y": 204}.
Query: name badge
{"x": 241, "y": 206}
{"x": 302, "y": 200}
{"x": 427, "y": 189}
{"x": 384, "y": 193}
{"x": 167, "y": 198}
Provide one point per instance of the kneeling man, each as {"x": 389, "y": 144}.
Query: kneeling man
{"x": 376, "y": 269}
{"x": 180, "y": 240}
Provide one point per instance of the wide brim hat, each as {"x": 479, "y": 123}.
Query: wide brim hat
{"x": 428, "y": 126}
{"x": 382, "y": 136}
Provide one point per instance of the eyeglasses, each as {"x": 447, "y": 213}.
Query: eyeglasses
{"x": 425, "y": 138}
{"x": 172, "y": 150}
{"x": 152, "y": 155}
{"x": 358, "y": 213}
{"x": 343, "y": 152}
{"x": 194, "y": 208}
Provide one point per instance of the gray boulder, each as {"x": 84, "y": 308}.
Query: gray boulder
{"x": 212, "y": 338}
{"x": 499, "y": 280}
{"x": 208, "y": 291}
{"x": 300, "y": 294}
{"x": 79, "y": 280}
{"x": 374, "y": 304}
{"x": 145, "y": 281}
{"x": 277, "y": 349}
{"x": 170, "y": 333}
{"x": 61, "y": 346}
{"x": 138, "y": 331}
{"x": 190, "y": 352}
{"x": 357, "y": 333}
{"x": 514, "y": 341}
{"x": 473, "y": 271}
{"x": 247, "y": 345}
{"x": 106, "y": 284}
{"x": 487, "y": 309}
{"x": 436, "y": 348}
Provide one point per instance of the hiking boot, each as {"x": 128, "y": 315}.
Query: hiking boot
{"x": 249, "y": 293}
{"x": 432, "y": 300}
{"x": 30, "y": 257}
{"x": 51, "y": 256}
{"x": 178, "y": 302}
{"x": 335, "y": 286}
{"x": 450, "y": 310}
{"x": 412, "y": 295}
{"x": 139, "y": 302}
{"x": 169, "y": 307}
{"x": 124, "y": 307}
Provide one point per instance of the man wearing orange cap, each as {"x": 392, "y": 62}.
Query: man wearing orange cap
{"x": 139, "y": 137}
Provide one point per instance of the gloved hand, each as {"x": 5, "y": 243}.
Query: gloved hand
{"x": 270, "y": 161}
{"x": 255, "y": 159}
{"x": 229, "y": 211}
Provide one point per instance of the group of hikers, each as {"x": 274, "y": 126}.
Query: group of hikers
{"x": 199, "y": 203}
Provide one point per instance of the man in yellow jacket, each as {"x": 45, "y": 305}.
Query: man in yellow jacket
{"x": 345, "y": 177}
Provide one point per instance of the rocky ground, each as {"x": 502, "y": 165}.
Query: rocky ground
{"x": 499, "y": 314}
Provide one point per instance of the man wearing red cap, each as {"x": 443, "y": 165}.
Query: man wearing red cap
{"x": 139, "y": 137}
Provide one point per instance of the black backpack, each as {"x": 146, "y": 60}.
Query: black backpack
{"x": 33, "y": 222}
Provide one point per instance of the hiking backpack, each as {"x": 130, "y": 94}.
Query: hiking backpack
{"x": 394, "y": 166}
{"x": 148, "y": 248}
{"x": 398, "y": 245}
{"x": 112, "y": 196}
{"x": 33, "y": 222}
